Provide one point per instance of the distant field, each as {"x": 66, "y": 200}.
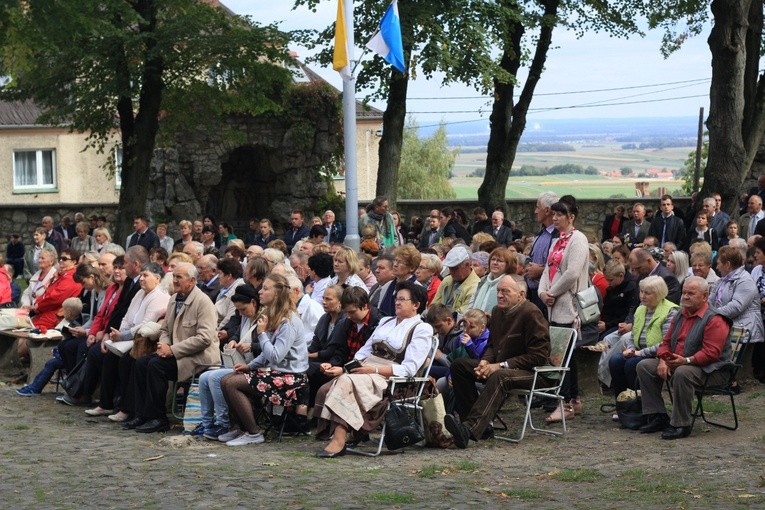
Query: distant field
{"x": 606, "y": 158}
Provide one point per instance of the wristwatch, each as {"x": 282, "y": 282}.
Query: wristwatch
{"x": 504, "y": 365}
{"x": 687, "y": 361}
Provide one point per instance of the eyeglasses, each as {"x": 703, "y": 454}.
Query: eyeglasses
{"x": 402, "y": 299}
{"x": 63, "y": 259}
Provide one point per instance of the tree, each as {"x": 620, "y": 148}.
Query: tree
{"x": 448, "y": 37}
{"x": 689, "y": 168}
{"x": 625, "y": 171}
{"x": 136, "y": 69}
{"x": 525, "y": 29}
{"x": 425, "y": 165}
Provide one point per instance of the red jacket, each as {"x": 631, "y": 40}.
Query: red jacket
{"x": 61, "y": 287}
{"x": 111, "y": 296}
{"x": 5, "y": 286}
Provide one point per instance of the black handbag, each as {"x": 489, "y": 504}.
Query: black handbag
{"x": 629, "y": 410}
{"x": 74, "y": 382}
{"x": 401, "y": 429}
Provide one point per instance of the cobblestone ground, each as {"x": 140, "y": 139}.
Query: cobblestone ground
{"x": 54, "y": 456}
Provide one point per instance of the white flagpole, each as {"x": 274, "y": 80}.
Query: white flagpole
{"x": 352, "y": 239}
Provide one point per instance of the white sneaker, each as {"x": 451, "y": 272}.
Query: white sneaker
{"x": 246, "y": 438}
{"x": 228, "y": 436}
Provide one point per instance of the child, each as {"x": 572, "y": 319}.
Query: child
{"x": 442, "y": 320}
{"x": 72, "y": 308}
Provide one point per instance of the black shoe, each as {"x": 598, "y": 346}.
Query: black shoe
{"x": 357, "y": 437}
{"x": 155, "y": 425}
{"x": 131, "y": 424}
{"x": 676, "y": 432}
{"x": 324, "y": 454}
{"x": 457, "y": 429}
{"x": 656, "y": 423}
{"x": 488, "y": 433}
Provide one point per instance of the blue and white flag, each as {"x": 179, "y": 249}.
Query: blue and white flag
{"x": 387, "y": 41}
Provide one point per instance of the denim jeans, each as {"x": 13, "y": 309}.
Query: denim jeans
{"x": 47, "y": 372}
{"x": 211, "y": 399}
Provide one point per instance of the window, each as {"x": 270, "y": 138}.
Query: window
{"x": 34, "y": 169}
{"x": 118, "y": 165}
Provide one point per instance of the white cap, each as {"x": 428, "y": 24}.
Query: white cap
{"x": 457, "y": 255}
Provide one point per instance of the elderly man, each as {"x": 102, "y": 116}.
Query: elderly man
{"x": 52, "y": 236}
{"x": 143, "y": 236}
{"x": 695, "y": 346}
{"x": 187, "y": 341}
{"x": 335, "y": 229}
{"x": 500, "y": 232}
{"x": 195, "y": 250}
{"x": 701, "y": 265}
{"x": 209, "y": 279}
{"x": 747, "y": 223}
{"x": 716, "y": 221}
{"x": 637, "y": 228}
{"x": 643, "y": 264}
{"x": 457, "y": 289}
{"x": 540, "y": 247}
{"x": 519, "y": 340}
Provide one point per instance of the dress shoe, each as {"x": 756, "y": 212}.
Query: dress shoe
{"x": 155, "y": 425}
{"x": 324, "y": 454}
{"x": 458, "y": 430}
{"x": 655, "y": 423}
{"x": 131, "y": 424}
{"x": 676, "y": 432}
{"x": 488, "y": 433}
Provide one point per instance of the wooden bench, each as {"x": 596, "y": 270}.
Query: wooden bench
{"x": 39, "y": 351}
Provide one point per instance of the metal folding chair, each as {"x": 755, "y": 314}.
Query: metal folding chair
{"x": 548, "y": 380}
{"x": 409, "y": 398}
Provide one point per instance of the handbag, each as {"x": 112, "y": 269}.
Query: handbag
{"x": 400, "y": 428}
{"x": 589, "y": 305}
{"x": 74, "y": 382}
{"x": 629, "y": 409}
{"x": 433, "y": 412}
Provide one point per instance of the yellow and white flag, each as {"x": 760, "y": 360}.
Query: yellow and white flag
{"x": 340, "y": 56}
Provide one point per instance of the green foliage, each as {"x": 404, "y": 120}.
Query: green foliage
{"x": 425, "y": 165}
{"x": 567, "y": 168}
{"x": 686, "y": 173}
{"x": 625, "y": 171}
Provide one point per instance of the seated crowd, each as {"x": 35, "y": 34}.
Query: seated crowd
{"x": 274, "y": 321}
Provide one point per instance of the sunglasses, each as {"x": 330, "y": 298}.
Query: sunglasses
{"x": 63, "y": 259}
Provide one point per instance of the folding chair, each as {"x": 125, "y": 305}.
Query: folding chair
{"x": 548, "y": 380}
{"x": 406, "y": 392}
{"x": 738, "y": 337}
{"x": 279, "y": 418}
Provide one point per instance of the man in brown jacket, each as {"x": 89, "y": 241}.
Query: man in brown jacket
{"x": 188, "y": 340}
{"x": 519, "y": 340}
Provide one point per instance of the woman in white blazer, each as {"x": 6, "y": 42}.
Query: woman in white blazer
{"x": 565, "y": 274}
{"x": 148, "y": 305}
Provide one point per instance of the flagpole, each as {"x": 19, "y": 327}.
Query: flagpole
{"x": 349, "y": 138}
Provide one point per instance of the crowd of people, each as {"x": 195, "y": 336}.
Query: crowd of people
{"x": 282, "y": 320}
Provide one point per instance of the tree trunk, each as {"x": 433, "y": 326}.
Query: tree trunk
{"x": 139, "y": 139}
{"x": 727, "y": 156}
{"x": 754, "y": 87}
{"x": 508, "y": 120}
{"x": 394, "y": 119}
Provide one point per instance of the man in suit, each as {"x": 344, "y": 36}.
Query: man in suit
{"x": 747, "y": 223}
{"x": 298, "y": 230}
{"x": 143, "y": 236}
{"x": 638, "y": 227}
{"x": 335, "y": 229}
{"x": 642, "y": 265}
{"x": 65, "y": 228}
{"x": 480, "y": 221}
{"x": 208, "y": 280}
{"x": 716, "y": 221}
{"x": 432, "y": 234}
{"x": 187, "y": 341}
{"x": 500, "y": 232}
{"x": 667, "y": 226}
{"x": 52, "y": 236}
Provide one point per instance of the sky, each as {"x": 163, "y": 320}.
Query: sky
{"x": 592, "y": 63}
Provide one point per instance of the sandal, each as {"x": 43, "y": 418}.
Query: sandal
{"x": 562, "y": 410}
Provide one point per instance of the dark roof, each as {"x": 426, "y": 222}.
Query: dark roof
{"x": 19, "y": 113}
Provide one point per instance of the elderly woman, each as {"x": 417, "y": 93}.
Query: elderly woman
{"x": 346, "y": 266}
{"x": 40, "y": 280}
{"x": 82, "y": 242}
{"x": 565, "y": 274}
{"x": 677, "y": 262}
{"x": 480, "y": 263}
{"x": 32, "y": 255}
{"x": 102, "y": 238}
{"x": 406, "y": 260}
{"x": 398, "y": 347}
{"x": 278, "y": 372}
{"x": 652, "y": 320}
{"x": 501, "y": 262}
{"x": 215, "y": 415}
{"x": 735, "y": 294}
{"x": 429, "y": 274}
{"x": 47, "y": 309}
